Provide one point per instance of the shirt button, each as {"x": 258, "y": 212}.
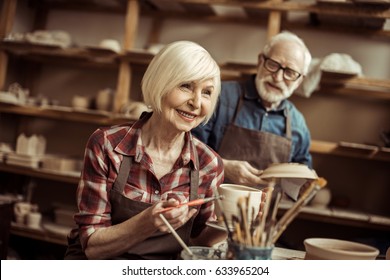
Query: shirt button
{"x": 156, "y": 192}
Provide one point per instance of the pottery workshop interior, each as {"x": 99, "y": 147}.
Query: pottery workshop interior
{"x": 70, "y": 67}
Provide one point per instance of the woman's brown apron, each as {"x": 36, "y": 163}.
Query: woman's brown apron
{"x": 259, "y": 148}
{"x": 160, "y": 245}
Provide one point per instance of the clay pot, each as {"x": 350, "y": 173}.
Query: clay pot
{"x": 322, "y": 198}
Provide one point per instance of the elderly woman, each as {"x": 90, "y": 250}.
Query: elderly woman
{"x": 132, "y": 172}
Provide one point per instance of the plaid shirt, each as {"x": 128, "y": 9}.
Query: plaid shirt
{"x": 103, "y": 155}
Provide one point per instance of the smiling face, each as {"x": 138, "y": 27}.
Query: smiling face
{"x": 188, "y": 105}
{"x": 272, "y": 87}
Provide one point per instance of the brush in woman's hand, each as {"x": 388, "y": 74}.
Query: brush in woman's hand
{"x": 195, "y": 202}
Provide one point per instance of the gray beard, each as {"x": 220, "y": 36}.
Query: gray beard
{"x": 270, "y": 97}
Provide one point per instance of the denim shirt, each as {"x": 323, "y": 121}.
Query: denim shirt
{"x": 252, "y": 115}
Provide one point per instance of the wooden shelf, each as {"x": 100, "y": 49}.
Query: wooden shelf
{"x": 330, "y": 83}
{"x": 248, "y": 12}
{"x": 86, "y": 116}
{"x": 354, "y": 150}
{"x": 341, "y": 217}
{"x": 39, "y": 173}
{"x": 205, "y": 7}
{"x": 84, "y": 56}
{"x": 37, "y": 234}
{"x": 356, "y": 86}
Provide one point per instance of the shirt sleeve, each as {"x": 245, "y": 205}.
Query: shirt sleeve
{"x": 92, "y": 193}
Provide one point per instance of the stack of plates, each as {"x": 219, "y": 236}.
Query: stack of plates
{"x": 7, "y": 97}
{"x": 23, "y": 160}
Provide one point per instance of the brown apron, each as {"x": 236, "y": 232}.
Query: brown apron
{"x": 160, "y": 245}
{"x": 259, "y": 148}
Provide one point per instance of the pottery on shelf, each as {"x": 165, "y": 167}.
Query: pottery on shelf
{"x": 322, "y": 198}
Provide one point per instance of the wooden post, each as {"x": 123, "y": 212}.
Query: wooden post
{"x": 7, "y": 15}
{"x": 274, "y": 21}
{"x": 125, "y": 71}
{"x": 154, "y": 36}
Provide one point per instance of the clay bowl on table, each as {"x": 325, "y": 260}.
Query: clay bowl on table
{"x": 336, "y": 249}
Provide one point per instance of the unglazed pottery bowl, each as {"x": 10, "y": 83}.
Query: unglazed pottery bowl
{"x": 336, "y": 249}
{"x": 288, "y": 170}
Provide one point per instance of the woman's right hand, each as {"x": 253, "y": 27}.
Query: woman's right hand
{"x": 176, "y": 217}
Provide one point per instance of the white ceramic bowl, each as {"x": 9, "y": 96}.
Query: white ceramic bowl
{"x": 232, "y": 193}
{"x": 336, "y": 249}
{"x": 288, "y": 170}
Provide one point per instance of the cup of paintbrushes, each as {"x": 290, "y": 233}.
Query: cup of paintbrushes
{"x": 250, "y": 237}
{"x": 232, "y": 193}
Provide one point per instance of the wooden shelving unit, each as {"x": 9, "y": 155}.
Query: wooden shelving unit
{"x": 267, "y": 13}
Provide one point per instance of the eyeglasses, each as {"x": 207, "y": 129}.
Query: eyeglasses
{"x": 273, "y": 67}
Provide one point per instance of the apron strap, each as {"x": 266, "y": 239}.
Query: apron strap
{"x": 194, "y": 175}
{"x": 123, "y": 174}
{"x": 288, "y": 123}
{"x": 127, "y": 161}
{"x": 239, "y": 103}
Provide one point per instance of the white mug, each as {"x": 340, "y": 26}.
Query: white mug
{"x": 21, "y": 209}
{"x": 33, "y": 219}
{"x": 80, "y": 102}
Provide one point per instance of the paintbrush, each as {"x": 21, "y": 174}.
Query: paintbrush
{"x": 174, "y": 233}
{"x": 259, "y": 231}
{"x": 273, "y": 218}
{"x": 195, "y": 202}
{"x": 241, "y": 203}
{"x": 294, "y": 210}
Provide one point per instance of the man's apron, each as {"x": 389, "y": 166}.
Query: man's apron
{"x": 259, "y": 148}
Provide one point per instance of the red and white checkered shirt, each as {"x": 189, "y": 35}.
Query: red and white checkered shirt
{"x": 103, "y": 155}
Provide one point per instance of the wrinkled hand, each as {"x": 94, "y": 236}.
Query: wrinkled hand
{"x": 176, "y": 217}
{"x": 242, "y": 173}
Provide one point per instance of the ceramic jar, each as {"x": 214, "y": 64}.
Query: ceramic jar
{"x": 322, "y": 198}
{"x": 104, "y": 99}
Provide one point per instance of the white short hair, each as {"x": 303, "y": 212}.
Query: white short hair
{"x": 288, "y": 36}
{"x": 177, "y": 63}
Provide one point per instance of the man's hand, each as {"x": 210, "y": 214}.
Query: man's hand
{"x": 242, "y": 173}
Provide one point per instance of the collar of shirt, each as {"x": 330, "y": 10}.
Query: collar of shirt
{"x": 131, "y": 144}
